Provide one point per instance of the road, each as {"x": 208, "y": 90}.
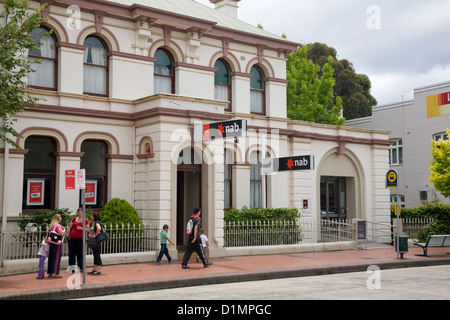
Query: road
{"x": 428, "y": 283}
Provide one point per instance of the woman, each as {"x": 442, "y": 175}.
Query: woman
{"x": 54, "y": 254}
{"x": 93, "y": 244}
{"x": 75, "y": 240}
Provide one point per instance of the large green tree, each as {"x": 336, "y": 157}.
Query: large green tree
{"x": 440, "y": 165}
{"x": 16, "y": 24}
{"x": 310, "y": 95}
{"x": 354, "y": 88}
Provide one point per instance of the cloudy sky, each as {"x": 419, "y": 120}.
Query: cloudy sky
{"x": 399, "y": 44}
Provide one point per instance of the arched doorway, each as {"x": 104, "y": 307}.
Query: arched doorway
{"x": 189, "y": 190}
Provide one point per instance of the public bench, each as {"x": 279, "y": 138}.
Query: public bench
{"x": 441, "y": 240}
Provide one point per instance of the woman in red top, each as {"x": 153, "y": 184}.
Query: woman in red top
{"x": 75, "y": 240}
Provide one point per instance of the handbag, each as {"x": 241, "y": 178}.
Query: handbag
{"x": 103, "y": 235}
{"x": 54, "y": 237}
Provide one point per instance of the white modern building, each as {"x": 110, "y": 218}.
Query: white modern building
{"x": 129, "y": 86}
{"x": 413, "y": 124}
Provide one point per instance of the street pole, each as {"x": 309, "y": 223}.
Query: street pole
{"x": 83, "y": 197}
{"x": 398, "y": 219}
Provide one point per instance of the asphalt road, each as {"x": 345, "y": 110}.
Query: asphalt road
{"x": 424, "y": 283}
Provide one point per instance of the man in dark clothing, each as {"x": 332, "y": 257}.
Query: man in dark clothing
{"x": 194, "y": 242}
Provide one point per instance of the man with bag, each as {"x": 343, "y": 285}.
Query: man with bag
{"x": 194, "y": 242}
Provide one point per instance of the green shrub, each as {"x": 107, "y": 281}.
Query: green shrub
{"x": 265, "y": 214}
{"x": 43, "y": 217}
{"x": 119, "y": 211}
{"x": 129, "y": 231}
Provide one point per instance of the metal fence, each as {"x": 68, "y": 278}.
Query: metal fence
{"x": 412, "y": 226}
{"x": 20, "y": 244}
{"x": 269, "y": 233}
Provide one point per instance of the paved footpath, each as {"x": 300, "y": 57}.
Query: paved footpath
{"x": 151, "y": 276}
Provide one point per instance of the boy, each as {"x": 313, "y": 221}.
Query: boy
{"x": 164, "y": 239}
{"x": 205, "y": 242}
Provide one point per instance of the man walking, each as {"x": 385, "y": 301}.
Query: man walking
{"x": 195, "y": 242}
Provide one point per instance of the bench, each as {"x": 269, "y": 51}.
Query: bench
{"x": 441, "y": 240}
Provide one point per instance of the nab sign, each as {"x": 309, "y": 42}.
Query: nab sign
{"x": 271, "y": 165}
{"x": 224, "y": 129}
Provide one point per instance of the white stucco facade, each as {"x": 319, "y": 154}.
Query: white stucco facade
{"x": 145, "y": 132}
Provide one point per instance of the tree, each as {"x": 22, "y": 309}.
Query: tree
{"x": 16, "y": 25}
{"x": 310, "y": 90}
{"x": 440, "y": 172}
{"x": 357, "y": 101}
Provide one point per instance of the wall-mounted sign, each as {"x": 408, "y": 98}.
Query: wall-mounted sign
{"x": 288, "y": 164}
{"x": 438, "y": 105}
{"x": 35, "y": 192}
{"x": 224, "y": 129}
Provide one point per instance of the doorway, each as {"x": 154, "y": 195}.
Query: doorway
{"x": 189, "y": 196}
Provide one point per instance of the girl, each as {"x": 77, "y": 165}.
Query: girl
{"x": 54, "y": 255}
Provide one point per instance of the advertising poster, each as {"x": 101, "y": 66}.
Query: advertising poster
{"x": 35, "y": 192}
{"x": 91, "y": 192}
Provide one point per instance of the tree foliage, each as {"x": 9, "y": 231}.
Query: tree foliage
{"x": 16, "y": 25}
{"x": 440, "y": 169}
{"x": 357, "y": 101}
{"x": 310, "y": 94}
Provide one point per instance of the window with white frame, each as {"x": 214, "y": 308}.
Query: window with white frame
{"x": 257, "y": 94}
{"x": 441, "y": 135}
{"x": 45, "y": 71}
{"x": 256, "y": 181}
{"x": 396, "y": 152}
{"x": 222, "y": 82}
{"x": 95, "y": 67}
{"x": 164, "y": 73}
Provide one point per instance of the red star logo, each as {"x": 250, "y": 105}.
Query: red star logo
{"x": 290, "y": 164}
{"x": 221, "y": 129}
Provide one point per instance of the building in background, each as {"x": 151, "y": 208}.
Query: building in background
{"x": 412, "y": 125}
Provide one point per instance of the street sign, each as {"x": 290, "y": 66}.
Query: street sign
{"x": 391, "y": 179}
{"x": 75, "y": 179}
{"x": 270, "y": 165}
{"x": 224, "y": 129}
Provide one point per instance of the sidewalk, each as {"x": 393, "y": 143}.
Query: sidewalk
{"x": 151, "y": 276}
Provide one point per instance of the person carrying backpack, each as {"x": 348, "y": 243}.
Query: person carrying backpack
{"x": 194, "y": 240}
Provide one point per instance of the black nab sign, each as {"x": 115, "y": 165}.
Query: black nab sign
{"x": 232, "y": 128}
{"x": 296, "y": 163}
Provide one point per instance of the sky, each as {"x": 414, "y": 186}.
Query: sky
{"x": 399, "y": 44}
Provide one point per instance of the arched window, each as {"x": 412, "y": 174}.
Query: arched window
{"x": 95, "y": 67}
{"x": 257, "y": 95}
{"x": 96, "y": 165}
{"x": 45, "y": 74}
{"x": 222, "y": 83}
{"x": 164, "y": 73}
{"x": 39, "y": 173}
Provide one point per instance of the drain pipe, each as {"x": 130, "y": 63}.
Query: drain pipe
{"x": 5, "y": 185}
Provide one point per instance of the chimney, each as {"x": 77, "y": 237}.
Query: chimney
{"x": 228, "y": 7}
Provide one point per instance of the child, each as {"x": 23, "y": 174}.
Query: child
{"x": 164, "y": 239}
{"x": 43, "y": 252}
{"x": 205, "y": 242}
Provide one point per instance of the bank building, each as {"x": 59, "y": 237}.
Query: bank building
{"x": 173, "y": 105}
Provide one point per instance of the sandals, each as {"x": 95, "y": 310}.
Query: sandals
{"x": 94, "y": 273}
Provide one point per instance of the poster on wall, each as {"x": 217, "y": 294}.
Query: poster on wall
{"x": 91, "y": 192}
{"x": 35, "y": 192}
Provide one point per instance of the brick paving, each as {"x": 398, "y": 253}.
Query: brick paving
{"x": 151, "y": 276}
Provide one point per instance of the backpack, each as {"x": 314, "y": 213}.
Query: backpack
{"x": 190, "y": 226}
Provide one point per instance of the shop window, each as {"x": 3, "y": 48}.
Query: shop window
{"x": 95, "y": 163}
{"x": 256, "y": 180}
{"x": 228, "y": 164}
{"x": 333, "y": 197}
{"x": 39, "y": 173}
